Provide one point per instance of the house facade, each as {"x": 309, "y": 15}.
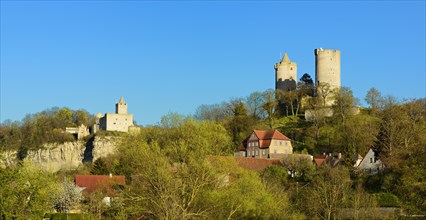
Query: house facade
{"x": 369, "y": 162}
{"x": 266, "y": 144}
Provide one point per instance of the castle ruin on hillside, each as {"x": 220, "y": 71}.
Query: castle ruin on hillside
{"x": 120, "y": 121}
{"x": 327, "y": 72}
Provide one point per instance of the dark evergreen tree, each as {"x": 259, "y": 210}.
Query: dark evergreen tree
{"x": 99, "y": 167}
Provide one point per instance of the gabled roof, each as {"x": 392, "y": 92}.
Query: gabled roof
{"x": 270, "y": 134}
{"x": 265, "y": 137}
{"x": 326, "y": 159}
{"x": 375, "y": 153}
{"x": 319, "y": 160}
{"x": 94, "y": 182}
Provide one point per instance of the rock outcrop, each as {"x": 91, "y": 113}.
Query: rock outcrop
{"x": 69, "y": 155}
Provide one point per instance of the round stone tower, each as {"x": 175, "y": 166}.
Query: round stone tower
{"x": 327, "y": 67}
{"x": 285, "y": 74}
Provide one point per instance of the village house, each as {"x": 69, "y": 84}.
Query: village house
{"x": 265, "y": 144}
{"x": 108, "y": 184}
{"x": 329, "y": 159}
{"x": 369, "y": 162}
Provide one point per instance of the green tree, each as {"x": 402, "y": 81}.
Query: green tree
{"x": 100, "y": 167}
{"x": 254, "y": 104}
{"x": 27, "y": 192}
{"x": 328, "y": 192}
{"x": 69, "y": 196}
{"x": 240, "y": 123}
{"x": 270, "y": 106}
{"x": 80, "y": 117}
{"x": 307, "y": 85}
{"x": 357, "y": 135}
{"x": 323, "y": 92}
{"x": 374, "y": 99}
{"x": 344, "y": 103}
{"x": 215, "y": 112}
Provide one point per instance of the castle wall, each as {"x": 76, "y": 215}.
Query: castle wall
{"x": 118, "y": 122}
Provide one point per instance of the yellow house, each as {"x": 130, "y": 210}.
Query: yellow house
{"x": 266, "y": 144}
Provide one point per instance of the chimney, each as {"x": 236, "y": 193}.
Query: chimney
{"x": 339, "y": 156}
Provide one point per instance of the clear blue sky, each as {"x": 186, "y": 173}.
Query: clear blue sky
{"x": 174, "y": 56}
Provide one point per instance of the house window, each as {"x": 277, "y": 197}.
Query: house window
{"x": 286, "y": 143}
{"x": 244, "y": 153}
{"x": 257, "y": 153}
{"x": 264, "y": 152}
{"x": 249, "y": 144}
{"x": 252, "y": 152}
{"x": 248, "y": 153}
{"x": 275, "y": 151}
{"x": 255, "y": 143}
{"x": 281, "y": 143}
{"x": 371, "y": 160}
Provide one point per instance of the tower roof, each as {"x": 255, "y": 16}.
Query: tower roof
{"x": 285, "y": 59}
{"x": 121, "y": 100}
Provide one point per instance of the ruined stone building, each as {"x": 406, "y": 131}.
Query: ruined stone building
{"x": 78, "y": 132}
{"x": 120, "y": 121}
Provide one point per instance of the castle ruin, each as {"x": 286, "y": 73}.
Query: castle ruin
{"x": 120, "y": 121}
{"x": 327, "y": 72}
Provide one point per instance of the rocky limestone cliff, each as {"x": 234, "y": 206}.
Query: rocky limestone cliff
{"x": 69, "y": 155}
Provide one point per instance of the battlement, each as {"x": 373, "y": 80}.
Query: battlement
{"x": 325, "y": 51}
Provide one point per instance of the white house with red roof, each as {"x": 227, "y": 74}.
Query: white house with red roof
{"x": 266, "y": 144}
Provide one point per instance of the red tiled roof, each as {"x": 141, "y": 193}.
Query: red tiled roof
{"x": 265, "y": 138}
{"x": 270, "y": 134}
{"x": 248, "y": 163}
{"x": 256, "y": 164}
{"x": 319, "y": 160}
{"x": 330, "y": 160}
{"x": 93, "y": 182}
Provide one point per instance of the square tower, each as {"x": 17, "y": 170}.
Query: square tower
{"x": 121, "y": 107}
